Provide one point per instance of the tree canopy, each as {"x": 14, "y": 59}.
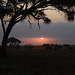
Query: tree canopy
{"x": 13, "y": 41}
{"x": 20, "y": 9}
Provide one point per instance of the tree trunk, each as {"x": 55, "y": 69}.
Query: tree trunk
{"x": 4, "y": 40}
{"x": 3, "y": 47}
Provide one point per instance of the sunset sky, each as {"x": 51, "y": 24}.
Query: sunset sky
{"x": 59, "y": 31}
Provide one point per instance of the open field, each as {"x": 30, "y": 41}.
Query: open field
{"x": 38, "y": 61}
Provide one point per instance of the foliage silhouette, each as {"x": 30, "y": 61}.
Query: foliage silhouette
{"x": 13, "y": 41}
{"x": 14, "y": 11}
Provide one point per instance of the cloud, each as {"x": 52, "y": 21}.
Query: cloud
{"x": 56, "y": 30}
{"x": 62, "y": 31}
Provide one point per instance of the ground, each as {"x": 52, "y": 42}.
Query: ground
{"x": 38, "y": 61}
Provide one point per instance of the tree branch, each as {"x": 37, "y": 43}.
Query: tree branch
{"x": 3, "y": 27}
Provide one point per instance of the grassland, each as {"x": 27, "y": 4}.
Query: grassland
{"x": 38, "y": 61}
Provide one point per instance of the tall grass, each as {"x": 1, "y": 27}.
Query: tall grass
{"x": 38, "y": 61}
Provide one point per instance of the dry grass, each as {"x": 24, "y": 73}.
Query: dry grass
{"x": 38, "y": 61}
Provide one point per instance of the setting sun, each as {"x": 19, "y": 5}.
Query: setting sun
{"x": 37, "y": 41}
{"x": 41, "y": 38}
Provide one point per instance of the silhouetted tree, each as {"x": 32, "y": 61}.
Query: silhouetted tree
{"x": 14, "y": 11}
{"x": 13, "y": 41}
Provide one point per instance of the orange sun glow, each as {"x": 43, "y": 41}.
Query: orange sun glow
{"x": 41, "y": 38}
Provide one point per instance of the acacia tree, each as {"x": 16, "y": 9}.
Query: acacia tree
{"x": 13, "y": 41}
{"x": 14, "y": 11}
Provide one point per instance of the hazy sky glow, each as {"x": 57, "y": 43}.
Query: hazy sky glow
{"x": 36, "y": 41}
{"x": 55, "y": 16}
{"x": 59, "y": 31}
